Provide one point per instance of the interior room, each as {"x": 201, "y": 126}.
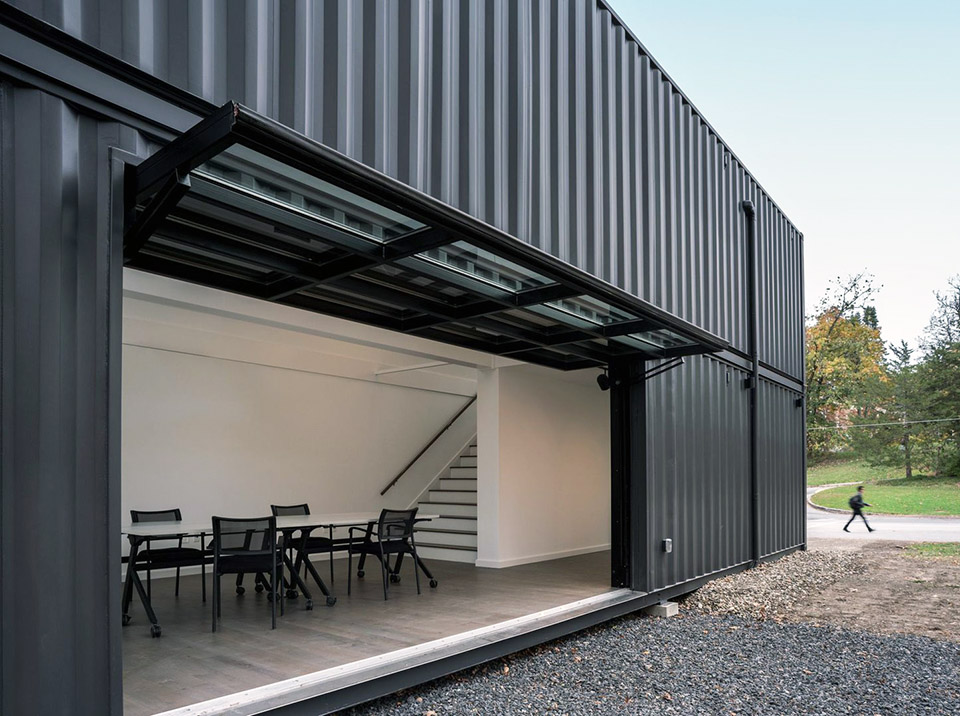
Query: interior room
{"x": 231, "y": 405}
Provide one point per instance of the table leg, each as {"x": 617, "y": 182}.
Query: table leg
{"x": 133, "y": 579}
{"x": 303, "y": 560}
{"x": 296, "y": 579}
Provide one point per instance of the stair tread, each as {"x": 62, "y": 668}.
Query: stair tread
{"x": 443, "y": 489}
{"x": 458, "y": 504}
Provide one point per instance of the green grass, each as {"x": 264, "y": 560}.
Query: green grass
{"x": 913, "y": 496}
{"x": 847, "y": 470}
{"x": 935, "y": 549}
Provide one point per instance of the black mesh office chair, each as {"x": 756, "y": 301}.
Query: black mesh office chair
{"x": 392, "y": 535}
{"x": 151, "y": 557}
{"x": 313, "y": 544}
{"x": 246, "y": 545}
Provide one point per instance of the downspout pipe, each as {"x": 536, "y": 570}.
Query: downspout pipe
{"x": 754, "y": 382}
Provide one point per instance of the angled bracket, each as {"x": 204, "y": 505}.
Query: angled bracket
{"x": 663, "y": 368}
{"x": 153, "y": 213}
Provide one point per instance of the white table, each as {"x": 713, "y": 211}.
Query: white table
{"x": 140, "y": 532}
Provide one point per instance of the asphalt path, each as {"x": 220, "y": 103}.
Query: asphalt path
{"x": 821, "y": 524}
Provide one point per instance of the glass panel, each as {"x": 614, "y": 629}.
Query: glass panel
{"x": 251, "y": 171}
{"x": 484, "y": 266}
{"x": 583, "y": 312}
{"x": 662, "y": 338}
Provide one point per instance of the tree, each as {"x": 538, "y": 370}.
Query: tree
{"x": 939, "y": 376}
{"x": 883, "y": 431}
{"x": 944, "y": 326}
{"x": 844, "y": 354}
{"x": 939, "y": 380}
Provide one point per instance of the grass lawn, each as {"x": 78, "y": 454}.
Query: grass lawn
{"x": 914, "y": 496}
{"x": 935, "y": 549}
{"x": 847, "y": 470}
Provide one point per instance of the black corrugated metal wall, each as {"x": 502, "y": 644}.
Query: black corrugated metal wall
{"x": 541, "y": 117}
{"x": 545, "y": 119}
{"x": 60, "y": 406}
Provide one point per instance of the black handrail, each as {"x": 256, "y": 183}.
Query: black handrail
{"x": 436, "y": 437}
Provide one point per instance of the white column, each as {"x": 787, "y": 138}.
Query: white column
{"x": 488, "y": 468}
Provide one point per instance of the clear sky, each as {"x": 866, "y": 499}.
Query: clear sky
{"x": 848, "y": 113}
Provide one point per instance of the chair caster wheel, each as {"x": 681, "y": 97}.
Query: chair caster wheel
{"x": 240, "y": 590}
{"x": 126, "y": 619}
{"x": 433, "y": 583}
{"x": 309, "y": 605}
{"x": 359, "y": 574}
{"x": 155, "y": 631}
{"x": 395, "y": 579}
{"x": 331, "y": 601}
{"x": 292, "y": 594}
{"x": 269, "y": 596}
{"x": 258, "y": 588}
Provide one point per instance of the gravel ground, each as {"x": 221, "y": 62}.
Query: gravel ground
{"x": 727, "y": 653}
{"x": 701, "y": 664}
{"x": 768, "y": 591}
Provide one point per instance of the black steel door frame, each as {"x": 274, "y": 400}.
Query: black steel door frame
{"x": 628, "y": 474}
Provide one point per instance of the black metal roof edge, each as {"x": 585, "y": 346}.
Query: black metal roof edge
{"x": 255, "y": 128}
{"x": 55, "y": 38}
{"x": 631, "y": 35}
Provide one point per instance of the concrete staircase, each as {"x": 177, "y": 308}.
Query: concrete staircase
{"x": 453, "y": 537}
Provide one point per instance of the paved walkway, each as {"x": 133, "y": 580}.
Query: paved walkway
{"x": 822, "y": 524}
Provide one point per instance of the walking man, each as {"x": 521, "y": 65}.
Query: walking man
{"x": 857, "y": 504}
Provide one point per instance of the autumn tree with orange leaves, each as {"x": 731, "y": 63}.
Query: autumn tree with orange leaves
{"x": 844, "y": 354}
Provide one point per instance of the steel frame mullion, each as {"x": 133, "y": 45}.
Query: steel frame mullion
{"x": 331, "y": 307}
{"x": 447, "y": 334}
{"x": 387, "y": 293}
{"x": 196, "y": 274}
{"x": 623, "y": 328}
{"x": 188, "y": 151}
{"x": 153, "y": 214}
{"x": 250, "y": 255}
{"x": 401, "y": 247}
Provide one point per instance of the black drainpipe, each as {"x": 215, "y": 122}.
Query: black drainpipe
{"x": 754, "y": 382}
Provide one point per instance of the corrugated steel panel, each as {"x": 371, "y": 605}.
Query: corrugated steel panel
{"x": 781, "y": 473}
{"x": 59, "y": 514}
{"x": 698, "y": 471}
{"x": 540, "y": 117}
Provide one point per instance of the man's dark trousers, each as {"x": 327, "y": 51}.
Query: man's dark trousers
{"x": 857, "y": 512}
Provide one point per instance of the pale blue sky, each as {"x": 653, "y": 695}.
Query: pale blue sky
{"x": 848, "y": 113}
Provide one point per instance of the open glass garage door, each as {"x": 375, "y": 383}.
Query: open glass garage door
{"x": 244, "y": 204}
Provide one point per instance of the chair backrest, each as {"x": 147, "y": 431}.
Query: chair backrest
{"x": 396, "y": 524}
{"x": 284, "y": 510}
{"x": 244, "y": 536}
{"x": 155, "y": 515}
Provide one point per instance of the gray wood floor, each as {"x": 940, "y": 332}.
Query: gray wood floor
{"x": 189, "y": 664}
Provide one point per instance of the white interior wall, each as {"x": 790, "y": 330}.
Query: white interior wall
{"x": 225, "y": 415}
{"x": 231, "y": 404}
{"x": 544, "y": 467}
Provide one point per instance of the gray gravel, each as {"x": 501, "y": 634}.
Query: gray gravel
{"x": 768, "y": 591}
{"x": 702, "y": 664}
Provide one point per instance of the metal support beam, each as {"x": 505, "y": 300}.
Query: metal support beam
{"x": 663, "y": 368}
{"x": 154, "y": 213}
